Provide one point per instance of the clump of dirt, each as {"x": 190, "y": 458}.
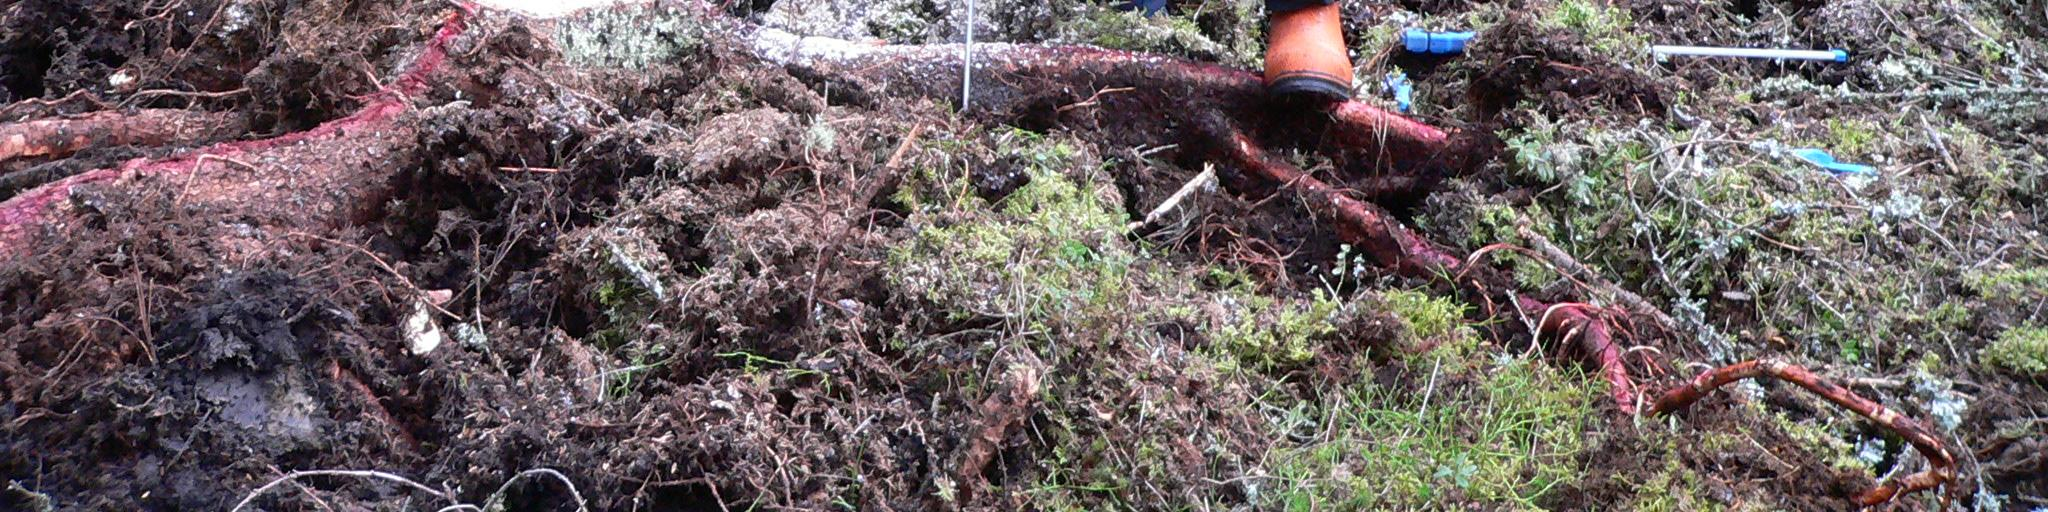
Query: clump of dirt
{"x": 1555, "y": 70}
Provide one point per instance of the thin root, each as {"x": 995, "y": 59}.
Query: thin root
{"x": 1943, "y": 465}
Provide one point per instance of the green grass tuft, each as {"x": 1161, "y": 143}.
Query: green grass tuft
{"x": 1507, "y": 434}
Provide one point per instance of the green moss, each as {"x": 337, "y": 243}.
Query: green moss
{"x": 1508, "y": 437}
{"x": 1820, "y": 439}
{"x": 1608, "y": 29}
{"x": 1673, "y": 488}
{"x": 1131, "y": 30}
{"x": 2021, "y": 350}
{"x": 1052, "y": 252}
{"x": 2008, "y": 284}
{"x": 1264, "y": 333}
{"x": 1438, "y": 321}
{"x": 1852, "y": 138}
{"x": 1493, "y": 223}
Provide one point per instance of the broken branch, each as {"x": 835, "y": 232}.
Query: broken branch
{"x": 1202, "y": 181}
{"x": 1001, "y": 412}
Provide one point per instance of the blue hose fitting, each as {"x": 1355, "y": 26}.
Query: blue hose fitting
{"x": 1438, "y": 43}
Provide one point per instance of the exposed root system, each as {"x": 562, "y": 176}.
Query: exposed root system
{"x": 669, "y": 255}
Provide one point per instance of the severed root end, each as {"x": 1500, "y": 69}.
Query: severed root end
{"x": 1595, "y": 341}
{"x": 1943, "y": 464}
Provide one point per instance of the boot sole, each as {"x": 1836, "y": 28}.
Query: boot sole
{"x": 1309, "y": 84}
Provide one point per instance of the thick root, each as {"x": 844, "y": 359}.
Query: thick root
{"x": 317, "y": 176}
{"x": 1595, "y": 339}
{"x": 1016, "y": 81}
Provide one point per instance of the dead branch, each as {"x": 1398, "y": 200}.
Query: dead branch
{"x": 1203, "y": 181}
{"x": 1563, "y": 261}
{"x": 56, "y": 138}
{"x": 1942, "y": 464}
{"x": 380, "y": 475}
{"x": 1001, "y": 413}
{"x": 37, "y": 107}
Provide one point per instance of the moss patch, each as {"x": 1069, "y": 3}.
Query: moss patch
{"x": 2021, "y": 349}
{"x": 1051, "y": 252}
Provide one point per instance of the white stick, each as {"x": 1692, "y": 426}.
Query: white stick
{"x": 967, "y": 58}
{"x": 1662, "y": 51}
{"x": 1201, "y": 182}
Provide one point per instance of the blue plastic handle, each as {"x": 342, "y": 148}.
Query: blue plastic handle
{"x": 1824, "y": 160}
{"x": 1441, "y": 43}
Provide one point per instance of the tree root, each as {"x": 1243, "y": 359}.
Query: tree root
{"x": 1206, "y": 102}
{"x": 1596, "y": 343}
{"x": 1942, "y": 464}
{"x": 1015, "y": 81}
{"x": 329, "y": 170}
{"x": 1213, "y": 106}
{"x": 57, "y": 138}
{"x": 1393, "y": 246}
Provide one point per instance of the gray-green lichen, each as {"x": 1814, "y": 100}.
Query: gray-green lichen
{"x": 630, "y": 38}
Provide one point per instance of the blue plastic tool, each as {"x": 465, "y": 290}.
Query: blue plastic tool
{"x": 1440, "y": 43}
{"x": 1404, "y": 92}
{"x": 1821, "y": 158}
{"x": 1151, "y": 7}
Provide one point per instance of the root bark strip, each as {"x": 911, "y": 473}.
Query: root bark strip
{"x": 56, "y": 138}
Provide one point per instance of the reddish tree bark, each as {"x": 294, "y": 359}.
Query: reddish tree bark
{"x": 1942, "y": 464}
{"x": 370, "y": 129}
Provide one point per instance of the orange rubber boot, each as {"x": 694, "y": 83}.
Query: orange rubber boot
{"x": 1305, "y": 54}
